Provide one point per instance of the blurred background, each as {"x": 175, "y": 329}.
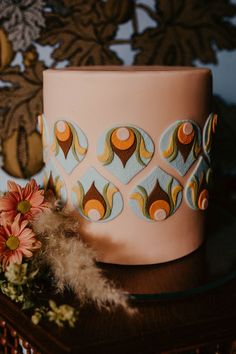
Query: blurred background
{"x": 37, "y": 34}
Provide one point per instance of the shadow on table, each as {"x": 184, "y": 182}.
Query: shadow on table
{"x": 211, "y": 265}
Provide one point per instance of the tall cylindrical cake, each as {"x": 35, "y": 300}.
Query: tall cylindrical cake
{"x": 129, "y": 149}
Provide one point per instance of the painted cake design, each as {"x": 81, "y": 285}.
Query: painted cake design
{"x": 208, "y": 133}
{"x": 157, "y": 196}
{"x": 52, "y": 181}
{"x": 196, "y": 191}
{"x": 180, "y": 145}
{"x": 125, "y": 151}
{"x": 132, "y": 118}
{"x": 70, "y": 144}
{"x": 43, "y": 129}
{"x": 96, "y": 198}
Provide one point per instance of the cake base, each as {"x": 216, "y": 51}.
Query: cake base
{"x": 175, "y": 242}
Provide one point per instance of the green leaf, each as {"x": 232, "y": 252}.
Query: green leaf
{"x": 28, "y": 304}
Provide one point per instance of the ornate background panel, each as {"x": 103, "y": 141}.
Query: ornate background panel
{"x": 37, "y": 34}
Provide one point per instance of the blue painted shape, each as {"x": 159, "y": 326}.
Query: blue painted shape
{"x": 134, "y": 165}
{"x": 199, "y": 180}
{"x": 146, "y": 186}
{"x": 93, "y": 176}
{"x": 58, "y": 182}
{"x": 178, "y": 162}
{"x": 74, "y": 157}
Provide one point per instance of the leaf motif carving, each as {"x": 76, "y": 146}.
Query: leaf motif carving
{"x": 22, "y": 102}
{"x": 185, "y": 31}
{"x": 85, "y": 34}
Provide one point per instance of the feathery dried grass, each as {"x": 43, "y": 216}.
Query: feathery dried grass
{"x": 72, "y": 262}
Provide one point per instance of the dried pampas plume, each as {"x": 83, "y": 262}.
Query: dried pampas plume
{"x": 72, "y": 262}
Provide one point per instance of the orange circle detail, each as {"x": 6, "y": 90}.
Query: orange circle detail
{"x": 204, "y": 195}
{"x": 122, "y": 144}
{"x": 158, "y": 205}
{"x": 183, "y": 138}
{"x": 94, "y": 204}
{"x": 65, "y": 135}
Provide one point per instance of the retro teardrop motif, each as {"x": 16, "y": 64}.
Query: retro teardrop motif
{"x": 96, "y": 198}
{"x": 125, "y": 151}
{"x": 157, "y": 196}
{"x": 196, "y": 190}
{"x": 180, "y": 145}
{"x": 209, "y": 131}
{"x": 70, "y": 144}
{"x": 53, "y": 182}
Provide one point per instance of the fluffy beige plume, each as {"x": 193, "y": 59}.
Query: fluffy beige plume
{"x": 72, "y": 262}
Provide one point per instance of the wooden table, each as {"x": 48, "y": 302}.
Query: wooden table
{"x": 201, "y": 318}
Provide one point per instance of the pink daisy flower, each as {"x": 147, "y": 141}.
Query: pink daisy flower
{"x": 16, "y": 241}
{"x": 27, "y": 201}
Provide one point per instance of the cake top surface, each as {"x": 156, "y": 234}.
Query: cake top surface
{"x": 129, "y": 69}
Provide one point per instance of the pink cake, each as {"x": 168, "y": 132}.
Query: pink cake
{"x": 129, "y": 149}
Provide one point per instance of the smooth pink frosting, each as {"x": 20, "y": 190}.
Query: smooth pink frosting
{"x": 151, "y": 98}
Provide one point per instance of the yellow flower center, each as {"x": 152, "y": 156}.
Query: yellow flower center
{"x": 23, "y": 206}
{"x": 12, "y": 242}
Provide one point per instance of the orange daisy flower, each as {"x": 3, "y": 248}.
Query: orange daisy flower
{"x": 16, "y": 241}
{"x": 27, "y": 201}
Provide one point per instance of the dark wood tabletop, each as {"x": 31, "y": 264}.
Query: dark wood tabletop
{"x": 196, "y": 306}
{"x": 160, "y": 326}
